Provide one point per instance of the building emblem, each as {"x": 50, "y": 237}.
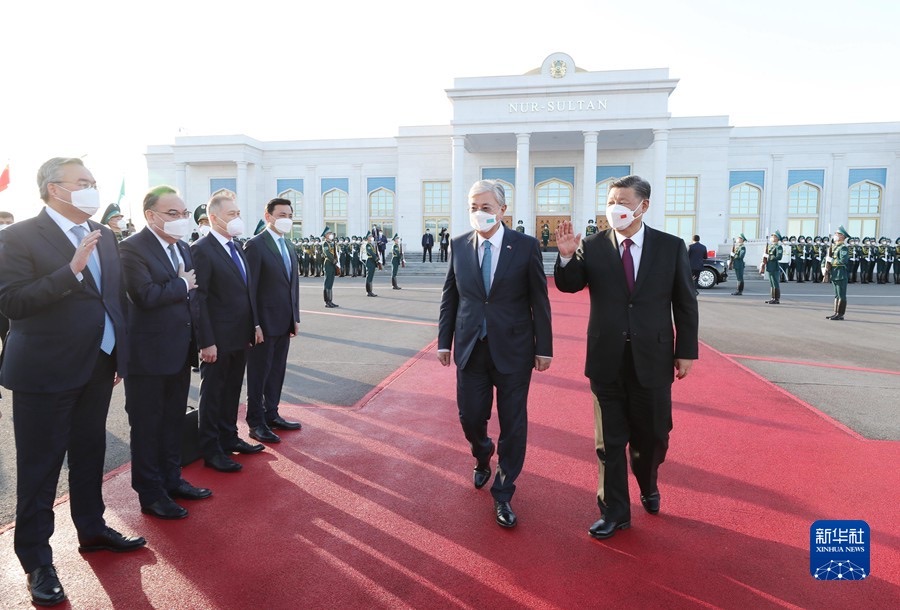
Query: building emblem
{"x": 558, "y": 68}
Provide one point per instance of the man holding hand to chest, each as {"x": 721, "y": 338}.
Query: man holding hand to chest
{"x": 496, "y": 314}
{"x": 639, "y": 281}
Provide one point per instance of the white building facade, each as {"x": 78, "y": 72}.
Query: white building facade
{"x": 556, "y": 137}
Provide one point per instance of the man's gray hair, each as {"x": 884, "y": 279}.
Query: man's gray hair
{"x": 215, "y": 203}
{"x": 489, "y": 186}
{"x": 51, "y": 171}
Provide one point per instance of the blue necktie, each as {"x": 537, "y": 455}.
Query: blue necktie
{"x": 486, "y": 278}
{"x": 108, "y": 342}
{"x": 237, "y": 260}
{"x": 284, "y": 256}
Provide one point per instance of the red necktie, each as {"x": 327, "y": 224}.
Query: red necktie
{"x": 628, "y": 265}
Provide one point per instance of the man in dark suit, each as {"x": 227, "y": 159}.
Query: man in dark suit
{"x": 161, "y": 283}
{"x": 227, "y": 310}
{"x": 496, "y": 314}
{"x": 639, "y": 281}
{"x": 697, "y": 253}
{"x": 61, "y": 287}
{"x": 274, "y": 284}
{"x": 427, "y": 244}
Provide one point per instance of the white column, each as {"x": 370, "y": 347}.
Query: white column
{"x": 657, "y": 213}
{"x": 588, "y": 208}
{"x": 247, "y": 212}
{"x": 358, "y": 203}
{"x": 181, "y": 183}
{"x": 836, "y": 203}
{"x": 890, "y": 201}
{"x": 775, "y": 216}
{"x": 523, "y": 203}
{"x": 312, "y": 204}
{"x": 458, "y": 188}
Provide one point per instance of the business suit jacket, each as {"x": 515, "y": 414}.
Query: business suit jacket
{"x": 55, "y": 320}
{"x": 517, "y": 308}
{"x": 163, "y": 313}
{"x": 276, "y": 291}
{"x": 227, "y": 308}
{"x": 663, "y": 292}
{"x": 697, "y": 254}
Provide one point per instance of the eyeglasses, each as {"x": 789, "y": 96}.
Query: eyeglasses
{"x": 81, "y": 184}
{"x": 173, "y": 214}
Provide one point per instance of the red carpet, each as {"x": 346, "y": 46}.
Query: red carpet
{"x": 374, "y": 507}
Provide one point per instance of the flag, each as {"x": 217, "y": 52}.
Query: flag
{"x": 4, "y": 178}
{"x": 121, "y": 192}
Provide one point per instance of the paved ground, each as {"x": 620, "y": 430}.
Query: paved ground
{"x": 341, "y": 354}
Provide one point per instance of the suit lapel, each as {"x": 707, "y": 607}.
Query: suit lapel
{"x": 226, "y": 256}
{"x": 275, "y": 250}
{"x": 506, "y": 253}
{"x": 616, "y": 259}
{"x": 647, "y": 252}
{"x": 161, "y": 255}
{"x": 472, "y": 254}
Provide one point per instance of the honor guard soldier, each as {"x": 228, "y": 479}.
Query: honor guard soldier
{"x": 793, "y": 251}
{"x": 897, "y": 261}
{"x": 355, "y": 259}
{"x": 590, "y": 229}
{"x": 738, "y": 251}
{"x": 396, "y": 260}
{"x": 836, "y": 272}
{"x": 545, "y": 235}
{"x": 330, "y": 265}
{"x": 202, "y": 220}
{"x": 771, "y": 258}
{"x": 372, "y": 261}
{"x": 801, "y": 260}
{"x": 115, "y": 220}
{"x": 855, "y": 253}
{"x": 870, "y": 253}
{"x": 882, "y": 263}
{"x": 520, "y": 227}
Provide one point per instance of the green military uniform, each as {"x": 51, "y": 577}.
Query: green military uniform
{"x": 396, "y": 258}
{"x": 884, "y": 260}
{"x": 738, "y": 252}
{"x": 590, "y": 229}
{"x": 330, "y": 264}
{"x": 897, "y": 261}
{"x": 371, "y": 263}
{"x": 773, "y": 255}
{"x": 113, "y": 212}
{"x": 836, "y": 268}
{"x": 545, "y": 236}
{"x": 520, "y": 227}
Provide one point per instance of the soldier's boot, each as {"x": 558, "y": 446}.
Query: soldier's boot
{"x": 331, "y": 302}
{"x": 896, "y": 277}
{"x": 327, "y": 298}
{"x": 394, "y": 284}
{"x": 841, "y": 310}
{"x": 777, "y": 299}
{"x": 834, "y": 315}
{"x": 369, "y": 292}
{"x": 740, "y": 289}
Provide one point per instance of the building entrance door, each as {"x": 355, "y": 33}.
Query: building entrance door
{"x": 551, "y": 222}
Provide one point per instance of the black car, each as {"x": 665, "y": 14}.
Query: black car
{"x": 715, "y": 271}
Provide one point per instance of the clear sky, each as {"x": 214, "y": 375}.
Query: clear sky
{"x": 106, "y": 79}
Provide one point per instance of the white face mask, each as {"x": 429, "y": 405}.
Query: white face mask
{"x": 203, "y": 230}
{"x": 482, "y": 221}
{"x": 177, "y": 228}
{"x": 620, "y": 216}
{"x": 283, "y": 225}
{"x": 235, "y": 227}
{"x": 122, "y": 224}
{"x": 87, "y": 200}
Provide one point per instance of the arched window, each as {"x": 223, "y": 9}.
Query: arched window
{"x": 554, "y": 197}
{"x": 744, "y": 210}
{"x": 865, "y": 198}
{"x": 803, "y": 209}
{"x": 381, "y": 204}
{"x": 296, "y": 199}
{"x": 335, "y": 204}
{"x": 602, "y": 193}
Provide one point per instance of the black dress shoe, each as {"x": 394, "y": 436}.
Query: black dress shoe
{"x": 505, "y": 515}
{"x": 482, "y": 472}
{"x": 222, "y": 464}
{"x": 165, "y": 508}
{"x": 186, "y": 491}
{"x": 111, "y": 540}
{"x": 242, "y": 446}
{"x": 264, "y": 435}
{"x": 603, "y": 529}
{"x": 44, "y": 586}
{"x": 283, "y": 424}
{"x": 651, "y": 503}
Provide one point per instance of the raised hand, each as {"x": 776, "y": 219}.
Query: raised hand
{"x": 566, "y": 239}
{"x": 83, "y": 252}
